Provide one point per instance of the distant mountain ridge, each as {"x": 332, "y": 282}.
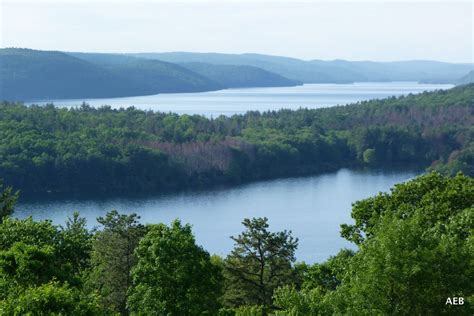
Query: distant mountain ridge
{"x": 335, "y": 71}
{"x": 159, "y": 76}
{"x": 224, "y": 76}
{"x": 27, "y": 74}
{"x": 290, "y": 68}
{"x": 240, "y": 76}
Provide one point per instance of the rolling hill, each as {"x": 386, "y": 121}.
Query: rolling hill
{"x": 223, "y": 76}
{"x": 27, "y": 74}
{"x": 165, "y": 77}
{"x": 291, "y": 68}
{"x": 335, "y": 71}
{"x": 240, "y": 76}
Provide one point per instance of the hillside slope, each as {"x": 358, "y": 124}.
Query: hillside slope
{"x": 291, "y": 68}
{"x": 159, "y": 76}
{"x": 27, "y": 74}
{"x": 224, "y": 76}
{"x": 235, "y": 76}
{"x": 468, "y": 78}
{"x": 30, "y": 74}
{"x": 335, "y": 71}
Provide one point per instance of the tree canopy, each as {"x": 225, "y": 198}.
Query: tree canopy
{"x": 414, "y": 255}
{"x": 415, "y": 251}
{"x": 260, "y": 262}
{"x": 88, "y": 150}
{"x": 173, "y": 276}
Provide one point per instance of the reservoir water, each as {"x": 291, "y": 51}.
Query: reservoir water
{"x": 237, "y": 101}
{"x": 312, "y": 207}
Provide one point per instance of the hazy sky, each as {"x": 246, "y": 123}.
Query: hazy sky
{"x": 370, "y": 30}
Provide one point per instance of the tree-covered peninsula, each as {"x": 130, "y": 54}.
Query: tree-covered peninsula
{"x": 46, "y": 148}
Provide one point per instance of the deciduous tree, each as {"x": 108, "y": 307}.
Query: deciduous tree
{"x": 173, "y": 275}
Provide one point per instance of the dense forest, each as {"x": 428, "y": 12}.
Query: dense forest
{"x": 414, "y": 257}
{"x": 45, "y": 148}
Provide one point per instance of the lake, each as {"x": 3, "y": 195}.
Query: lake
{"x": 238, "y": 101}
{"x": 312, "y": 207}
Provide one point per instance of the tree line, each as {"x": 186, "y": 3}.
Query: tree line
{"x": 414, "y": 255}
{"x": 46, "y": 148}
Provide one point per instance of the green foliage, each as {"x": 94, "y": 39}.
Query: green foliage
{"x": 415, "y": 247}
{"x": 327, "y": 276}
{"x": 50, "y": 299}
{"x": 24, "y": 265}
{"x": 260, "y": 262}
{"x": 27, "y": 231}
{"x": 412, "y": 269}
{"x": 113, "y": 257}
{"x": 439, "y": 197}
{"x": 104, "y": 150}
{"x": 7, "y": 201}
{"x": 458, "y": 161}
{"x": 415, "y": 251}
{"x": 245, "y": 310}
{"x": 76, "y": 243}
{"x": 41, "y": 267}
{"x": 252, "y": 310}
{"x": 319, "y": 281}
{"x": 173, "y": 275}
{"x": 369, "y": 156}
{"x": 291, "y": 302}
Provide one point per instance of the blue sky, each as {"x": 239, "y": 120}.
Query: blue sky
{"x": 353, "y": 30}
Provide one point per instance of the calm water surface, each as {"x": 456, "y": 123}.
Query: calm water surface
{"x": 237, "y": 101}
{"x": 312, "y": 207}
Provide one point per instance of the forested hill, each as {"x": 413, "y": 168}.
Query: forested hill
{"x": 27, "y": 74}
{"x": 225, "y": 76}
{"x": 331, "y": 71}
{"x": 468, "y": 78}
{"x": 31, "y": 74}
{"x": 159, "y": 76}
{"x": 235, "y": 76}
{"x": 291, "y": 68}
{"x": 44, "y": 148}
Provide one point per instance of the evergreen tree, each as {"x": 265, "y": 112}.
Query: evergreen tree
{"x": 7, "y": 200}
{"x": 260, "y": 262}
{"x": 113, "y": 257}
